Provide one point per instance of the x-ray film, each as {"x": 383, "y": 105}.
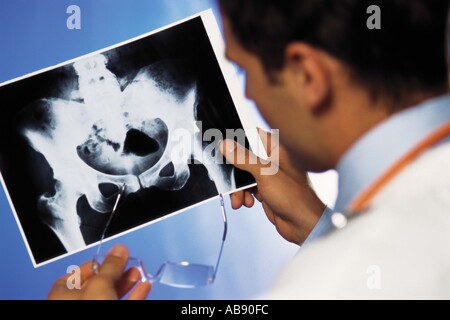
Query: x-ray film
{"x": 135, "y": 114}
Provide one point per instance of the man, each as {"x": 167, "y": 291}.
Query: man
{"x": 371, "y": 103}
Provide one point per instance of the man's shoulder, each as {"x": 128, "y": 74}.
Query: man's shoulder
{"x": 398, "y": 249}
{"x": 425, "y": 182}
{"x": 418, "y": 198}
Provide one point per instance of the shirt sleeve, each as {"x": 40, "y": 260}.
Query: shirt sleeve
{"x": 323, "y": 227}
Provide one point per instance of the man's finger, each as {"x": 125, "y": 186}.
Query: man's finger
{"x": 249, "y": 201}
{"x": 258, "y": 195}
{"x": 266, "y": 138}
{"x": 240, "y": 157}
{"x": 140, "y": 292}
{"x": 86, "y": 272}
{"x": 128, "y": 281}
{"x": 237, "y": 200}
{"x": 115, "y": 263}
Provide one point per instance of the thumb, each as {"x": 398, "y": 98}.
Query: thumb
{"x": 241, "y": 157}
{"x": 115, "y": 263}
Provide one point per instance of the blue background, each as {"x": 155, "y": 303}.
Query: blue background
{"x": 33, "y": 35}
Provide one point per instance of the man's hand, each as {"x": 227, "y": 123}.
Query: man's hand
{"x": 111, "y": 283}
{"x": 287, "y": 197}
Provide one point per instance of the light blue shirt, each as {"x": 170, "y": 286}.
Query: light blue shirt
{"x": 379, "y": 149}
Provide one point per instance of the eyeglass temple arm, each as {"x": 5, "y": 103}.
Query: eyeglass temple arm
{"x": 116, "y": 204}
{"x": 225, "y": 231}
{"x": 225, "y": 220}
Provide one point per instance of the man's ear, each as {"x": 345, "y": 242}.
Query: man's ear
{"x": 310, "y": 73}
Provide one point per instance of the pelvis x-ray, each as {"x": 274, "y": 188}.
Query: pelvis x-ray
{"x": 132, "y": 115}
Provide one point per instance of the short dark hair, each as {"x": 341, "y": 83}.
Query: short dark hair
{"x": 408, "y": 53}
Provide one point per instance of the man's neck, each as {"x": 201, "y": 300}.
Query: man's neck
{"x": 358, "y": 114}
{"x": 385, "y": 147}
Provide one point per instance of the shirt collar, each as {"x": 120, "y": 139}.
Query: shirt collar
{"x": 379, "y": 149}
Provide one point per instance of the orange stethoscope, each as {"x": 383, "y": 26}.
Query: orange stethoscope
{"x": 363, "y": 200}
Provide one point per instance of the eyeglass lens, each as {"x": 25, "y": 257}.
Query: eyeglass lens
{"x": 179, "y": 275}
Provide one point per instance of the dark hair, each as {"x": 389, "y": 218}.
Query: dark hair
{"x": 408, "y": 53}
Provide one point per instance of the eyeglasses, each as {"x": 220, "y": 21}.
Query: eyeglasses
{"x": 179, "y": 275}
